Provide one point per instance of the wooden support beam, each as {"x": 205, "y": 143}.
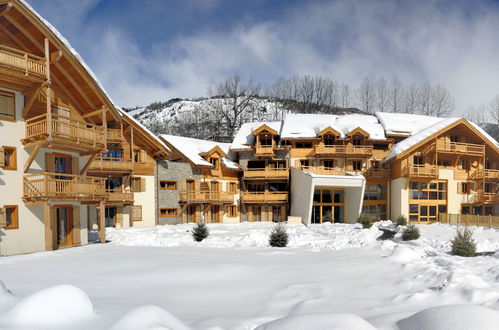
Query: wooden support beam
{"x": 31, "y": 99}
{"x": 87, "y": 165}
{"x": 131, "y": 150}
{"x": 32, "y": 156}
{"x": 104, "y": 123}
{"x": 93, "y": 113}
{"x": 102, "y": 222}
{"x": 47, "y": 221}
{"x": 47, "y": 92}
{"x": 7, "y": 8}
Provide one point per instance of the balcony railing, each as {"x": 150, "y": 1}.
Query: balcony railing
{"x": 74, "y": 132}
{"x": 114, "y": 135}
{"x": 206, "y": 197}
{"x": 489, "y": 174}
{"x": 344, "y": 150}
{"x": 119, "y": 195}
{"x": 25, "y": 63}
{"x": 59, "y": 186}
{"x": 265, "y": 197}
{"x": 321, "y": 170}
{"x": 266, "y": 173}
{"x": 261, "y": 150}
{"x": 425, "y": 171}
{"x": 461, "y": 148}
{"x": 487, "y": 197}
{"x": 378, "y": 173}
{"x": 110, "y": 164}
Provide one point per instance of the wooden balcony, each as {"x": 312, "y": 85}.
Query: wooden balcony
{"x": 460, "y": 148}
{"x": 421, "y": 171}
{"x": 201, "y": 197}
{"x": 487, "y": 197}
{"x": 64, "y": 133}
{"x": 343, "y": 150}
{"x": 265, "y": 197}
{"x": 124, "y": 196}
{"x": 19, "y": 63}
{"x": 488, "y": 174}
{"x": 266, "y": 173}
{"x": 264, "y": 151}
{"x": 321, "y": 170}
{"x": 110, "y": 164}
{"x": 114, "y": 135}
{"x": 378, "y": 173}
{"x": 62, "y": 187}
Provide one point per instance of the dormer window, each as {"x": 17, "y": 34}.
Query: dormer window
{"x": 328, "y": 139}
{"x": 356, "y": 140}
{"x": 266, "y": 140}
{"x": 214, "y": 162}
{"x": 454, "y": 139}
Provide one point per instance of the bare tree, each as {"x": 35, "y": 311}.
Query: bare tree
{"x": 478, "y": 115}
{"x": 381, "y": 94}
{"x": 366, "y": 95}
{"x": 395, "y": 95}
{"x": 494, "y": 109}
{"x": 441, "y": 101}
{"x": 233, "y": 98}
{"x": 424, "y": 99}
{"x": 411, "y": 99}
{"x": 345, "y": 96}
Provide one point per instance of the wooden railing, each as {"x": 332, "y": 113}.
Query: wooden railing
{"x": 206, "y": 197}
{"x": 321, "y": 170}
{"x": 378, "y": 173}
{"x": 105, "y": 163}
{"x": 26, "y": 63}
{"x": 470, "y": 220}
{"x": 264, "y": 150}
{"x": 487, "y": 197}
{"x": 346, "y": 150}
{"x": 75, "y": 131}
{"x": 489, "y": 174}
{"x": 266, "y": 173}
{"x": 427, "y": 171}
{"x": 114, "y": 135}
{"x": 59, "y": 186}
{"x": 461, "y": 148}
{"x": 119, "y": 195}
{"x": 264, "y": 197}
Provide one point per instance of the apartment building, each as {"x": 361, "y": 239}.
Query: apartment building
{"x": 67, "y": 153}
{"x": 329, "y": 168}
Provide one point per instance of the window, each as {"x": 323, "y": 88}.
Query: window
{"x": 214, "y": 162}
{"x": 303, "y": 144}
{"x": 329, "y": 163}
{"x": 464, "y": 164}
{"x": 454, "y": 139}
{"x": 232, "y": 187}
{"x": 328, "y": 139}
{"x": 137, "y": 213}
{"x": 168, "y": 213}
{"x": 138, "y": 184}
{"x": 374, "y": 192}
{"x": 9, "y": 158}
{"x": 428, "y": 190}
{"x": 443, "y": 163}
{"x": 356, "y": 140}
{"x": 168, "y": 185}
{"x": 10, "y": 217}
{"x": 190, "y": 185}
{"x": 7, "y": 106}
{"x": 232, "y": 211}
{"x": 357, "y": 165}
{"x": 465, "y": 187}
{"x": 380, "y": 146}
{"x": 304, "y": 162}
{"x": 375, "y": 164}
{"x": 418, "y": 160}
{"x": 266, "y": 140}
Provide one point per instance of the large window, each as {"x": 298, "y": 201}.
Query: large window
{"x": 427, "y": 200}
{"x": 328, "y": 205}
{"x": 7, "y": 106}
{"x": 375, "y": 201}
{"x": 375, "y": 192}
{"x": 428, "y": 190}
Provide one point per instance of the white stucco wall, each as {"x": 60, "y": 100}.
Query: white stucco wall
{"x": 148, "y": 201}
{"x": 399, "y": 194}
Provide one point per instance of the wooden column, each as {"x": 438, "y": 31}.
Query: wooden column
{"x": 102, "y": 222}
{"x": 104, "y": 124}
{"x": 48, "y": 90}
{"x": 48, "y": 227}
{"x": 131, "y": 149}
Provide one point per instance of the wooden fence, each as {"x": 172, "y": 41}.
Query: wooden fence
{"x": 470, "y": 220}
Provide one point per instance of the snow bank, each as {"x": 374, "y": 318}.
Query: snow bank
{"x": 55, "y": 306}
{"x": 243, "y": 235}
{"x": 148, "y": 317}
{"x": 455, "y": 317}
{"x": 337, "y": 321}
{"x": 404, "y": 253}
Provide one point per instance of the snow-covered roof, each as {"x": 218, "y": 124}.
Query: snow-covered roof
{"x": 243, "y": 138}
{"x": 484, "y": 133}
{"x": 405, "y": 124}
{"x": 192, "y": 148}
{"x": 309, "y": 125}
{"x": 124, "y": 113}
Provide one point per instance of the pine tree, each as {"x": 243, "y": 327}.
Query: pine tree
{"x": 278, "y": 236}
{"x": 200, "y": 232}
{"x": 463, "y": 243}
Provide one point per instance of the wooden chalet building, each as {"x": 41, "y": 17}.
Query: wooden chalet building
{"x": 66, "y": 150}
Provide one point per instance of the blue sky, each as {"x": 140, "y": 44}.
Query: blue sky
{"x": 150, "y": 50}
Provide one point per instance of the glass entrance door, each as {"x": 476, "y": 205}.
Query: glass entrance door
{"x": 110, "y": 216}
{"x": 328, "y": 205}
{"x": 64, "y": 226}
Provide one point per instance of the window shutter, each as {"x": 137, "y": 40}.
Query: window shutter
{"x": 75, "y": 164}
{"x": 50, "y": 162}
{"x": 2, "y": 157}
{"x": 142, "y": 184}
{"x": 137, "y": 213}
{"x": 76, "y": 226}
{"x": 143, "y": 157}
{"x": 3, "y": 218}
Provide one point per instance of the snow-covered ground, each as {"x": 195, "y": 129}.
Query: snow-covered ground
{"x": 330, "y": 276}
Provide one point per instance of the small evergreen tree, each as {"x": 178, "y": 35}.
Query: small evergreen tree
{"x": 410, "y": 233}
{"x": 463, "y": 243}
{"x": 365, "y": 220}
{"x": 278, "y": 236}
{"x": 200, "y": 232}
{"x": 401, "y": 220}
{"x": 327, "y": 217}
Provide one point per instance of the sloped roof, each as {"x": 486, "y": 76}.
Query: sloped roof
{"x": 244, "y": 138}
{"x": 405, "y": 124}
{"x": 192, "y": 148}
